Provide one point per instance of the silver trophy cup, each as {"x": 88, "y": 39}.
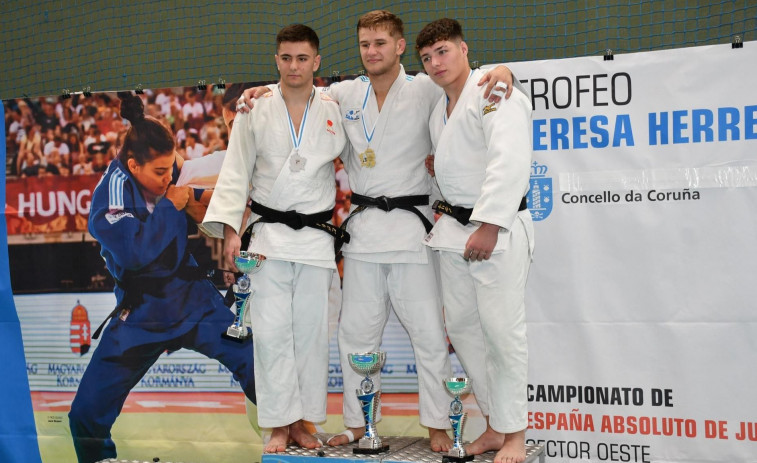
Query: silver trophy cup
{"x": 248, "y": 263}
{"x": 457, "y": 387}
{"x": 370, "y": 400}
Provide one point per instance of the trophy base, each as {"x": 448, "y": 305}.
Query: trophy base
{"x": 237, "y": 333}
{"x": 381, "y": 449}
{"x": 456, "y": 459}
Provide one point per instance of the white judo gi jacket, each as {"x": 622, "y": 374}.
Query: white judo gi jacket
{"x": 482, "y": 161}
{"x": 263, "y": 163}
{"x": 399, "y": 137}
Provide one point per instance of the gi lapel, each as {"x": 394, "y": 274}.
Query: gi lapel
{"x": 296, "y": 161}
{"x": 386, "y": 109}
{"x": 470, "y": 86}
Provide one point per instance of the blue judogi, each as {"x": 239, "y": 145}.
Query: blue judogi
{"x": 164, "y": 305}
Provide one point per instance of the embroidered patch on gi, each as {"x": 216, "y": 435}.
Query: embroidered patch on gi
{"x": 490, "y": 108}
{"x": 330, "y": 127}
{"x": 124, "y": 314}
{"x": 114, "y": 216}
{"x": 352, "y": 115}
{"x": 428, "y": 237}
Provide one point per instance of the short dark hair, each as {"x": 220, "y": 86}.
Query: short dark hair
{"x": 381, "y": 19}
{"x": 298, "y": 33}
{"x": 441, "y": 29}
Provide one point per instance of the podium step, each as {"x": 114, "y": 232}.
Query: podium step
{"x": 341, "y": 454}
{"x": 401, "y": 450}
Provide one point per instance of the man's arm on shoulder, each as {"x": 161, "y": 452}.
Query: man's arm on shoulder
{"x": 494, "y": 80}
{"x": 337, "y": 90}
{"x": 246, "y": 102}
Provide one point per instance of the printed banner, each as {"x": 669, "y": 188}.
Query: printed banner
{"x": 640, "y": 298}
{"x": 641, "y": 332}
{"x": 48, "y": 204}
{"x": 58, "y": 150}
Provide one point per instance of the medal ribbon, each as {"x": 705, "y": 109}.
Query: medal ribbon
{"x": 444, "y": 116}
{"x": 365, "y": 129}
{"x": 297, "y": 139}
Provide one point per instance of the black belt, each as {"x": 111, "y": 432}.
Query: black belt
{"x": 296, "y": 221}
{"x": 135, "y": 288}
{"x": 406, "y": 203}
{"x": 462, "y": 214}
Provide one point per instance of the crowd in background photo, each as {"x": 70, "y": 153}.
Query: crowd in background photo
{"x": 80, "y": 135}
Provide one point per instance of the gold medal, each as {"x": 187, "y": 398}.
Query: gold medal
{"x": 368, "y": 158}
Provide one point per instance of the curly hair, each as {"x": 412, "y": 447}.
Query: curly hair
{"x": 441, "y": 29}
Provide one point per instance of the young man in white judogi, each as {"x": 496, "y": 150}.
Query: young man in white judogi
{"x": 386, "y": 266}
{"x": 385, "y": 115}
{"x": 280, "y": 156}
{"x": 482, "y": 164}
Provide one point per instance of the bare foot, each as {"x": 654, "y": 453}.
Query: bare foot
{"x": 488, "y": 441}
{"x": 341, "y": 439}
{"x": 440, "y": 440}
{"x": 278, "y": 441}
{"x": 514, "y": 450}
{"x": 302, "y": 436}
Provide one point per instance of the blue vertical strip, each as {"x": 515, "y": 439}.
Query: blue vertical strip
{"x": 18, "y": 433}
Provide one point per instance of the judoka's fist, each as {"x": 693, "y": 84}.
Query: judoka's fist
{"x": 196, "y": 209}
{"x": 481, "y": 242}
{"x": 178, "y": 195}
{"x": 232, "y": 243}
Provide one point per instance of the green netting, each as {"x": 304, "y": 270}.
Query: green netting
{"x": 50, "y": 45}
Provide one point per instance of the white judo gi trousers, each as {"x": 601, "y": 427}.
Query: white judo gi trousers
{"x": 369, "y": 291}
{"x": 484, "y": 312}
{"x": 289, "y": 317}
